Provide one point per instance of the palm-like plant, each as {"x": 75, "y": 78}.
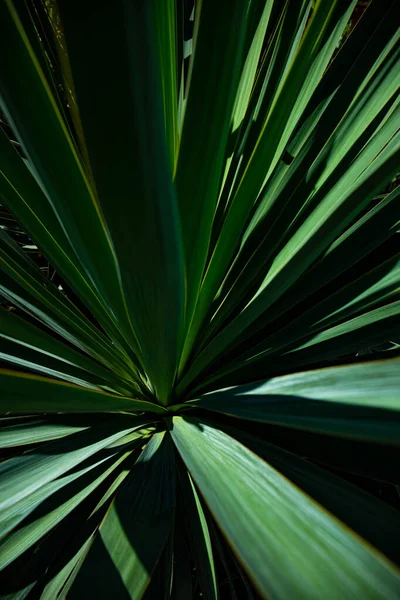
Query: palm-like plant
{"x": 220, "y": 230}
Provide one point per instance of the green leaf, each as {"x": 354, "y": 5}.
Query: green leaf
{"x": 23, "y": 475}
{"x": 91, "y": 457}
{"x": 66, "y": 574}
{"x": 359, "y": 401}
{"x": 262, "y": 157}
{"x": 370, "y": 517}
{"x": 313, "y": 237}
{"x": 249, "y": 70}
{"x": 200, "y": 541}
{"x": 20, "y": 432}
{"x": 21, "y": 192}
{"x": 366, "y": 330}
{"x": 12, "y": 516}
{"x": 21, "y": 338}
{"x": 21, "y": 595}
{"x": 164, "y": 16}
{"x": 307, "y": 195}
{"x": 23, "y": 393}
{"x": 378, "y": 287}
{"x": 217, "y": 210}
{"x": 269, "y": 523}
{"x": 56, "y": 162}
{"x": 65, "y": 569}
{"x": 25, "y": 286}
{"x": 367, "y": 233}
{"x": 57, "y": 507}
{"x": 215, "y": 74}
{"x": 223, "y": 553}
{"x": 369, "y": 329}
{"x": 65, "y": 542}
{"x": 134, "y": 532}
{"x": 29, "y": 360}
{"x": 147, "y": 240}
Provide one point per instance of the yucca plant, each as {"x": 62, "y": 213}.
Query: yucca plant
{"x": 186, "y": 412}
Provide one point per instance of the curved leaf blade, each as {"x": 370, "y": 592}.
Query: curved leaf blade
{"x": 360, "y": 401}
{"x": 23, "y": 393}
{"x": 269, "y": 523}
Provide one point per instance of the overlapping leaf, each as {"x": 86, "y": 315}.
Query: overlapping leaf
{"x": 219, "y": 225}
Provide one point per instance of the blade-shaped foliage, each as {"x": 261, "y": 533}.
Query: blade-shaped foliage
{"x": 261, "y": 513}
{"x": 143, "y": 509}
{"x": 23, "y": 393}
{"x": 359, "y": 401}
{"x": 145, "y": 230}
{"x": 344, "y": 500}
{"x": 199, "y": 299}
